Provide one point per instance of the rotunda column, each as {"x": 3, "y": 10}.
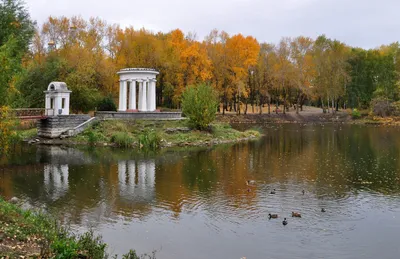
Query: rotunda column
{"x": 132, "y": 95}
{"x": 144, "y": 96}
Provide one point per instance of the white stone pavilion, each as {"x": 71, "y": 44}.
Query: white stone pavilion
{"x": 137, "y": 89}
{"x": 57, "y": 99}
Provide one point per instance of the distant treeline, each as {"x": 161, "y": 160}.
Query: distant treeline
{"x": 86, "y": 54}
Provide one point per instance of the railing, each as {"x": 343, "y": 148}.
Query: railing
{"x": 28, "y": 112}
{"x": 78, "y": 129}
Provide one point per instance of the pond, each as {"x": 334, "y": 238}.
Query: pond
{"x": 195, "y": 203}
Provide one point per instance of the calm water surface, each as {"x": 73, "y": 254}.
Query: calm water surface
{"x": 194, "y": 203}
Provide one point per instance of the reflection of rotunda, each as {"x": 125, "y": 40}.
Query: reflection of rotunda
{"x": 137, "y": 180}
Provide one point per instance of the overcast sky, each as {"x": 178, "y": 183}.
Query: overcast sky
{"x": 361, "y": 23}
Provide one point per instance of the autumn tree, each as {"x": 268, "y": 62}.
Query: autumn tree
{"x": 242, "y": 55}
{"x": 301, "y": 54}
{"x": 283, "y": 71}
{"x": 264, "y": 74}
{"x": 217, "y": 52}
{"x": 16, "y": 31}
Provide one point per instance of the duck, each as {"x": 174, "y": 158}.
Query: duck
{"x": 272, "y": 216}
{"x": 296, "y": 214}
{"x": 248, "y": 182}
{"x": 323, "y": 210}
{"x": 273, "y": 192}
{"x": 284, "y": 222}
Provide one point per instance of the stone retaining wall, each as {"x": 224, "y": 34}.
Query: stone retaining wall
{"x": 138, "y": 115}
{"x": 54, "y": 126}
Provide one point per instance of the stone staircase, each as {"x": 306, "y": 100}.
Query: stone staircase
{"x": 63, "y": 125}
{"x": 78, "y": 129}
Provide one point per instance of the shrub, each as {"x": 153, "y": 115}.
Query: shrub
{"x": 8, "y": 135}
{"x": 149, "y": 139}
{"x": 107, "y": 104}
{"x": 355, "y": 114}
{"x": 396, "y": 108}
{"x": 122, "y": 139}
{"x": 93, "y": 138}
{"x": 199, "y": 104}
{"x": 381, "y": 107}
{"x": 133, "y": 255}
{"x": 93, "y": 245}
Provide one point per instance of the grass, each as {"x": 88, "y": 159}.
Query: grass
{"x": 36, "y": 234}
{"x": 26, "y": 233}
{"x": 122, "y": 139}
{"x": 150, "y": 135}
{"x": 28, "y": 134}
{"x": 149, "y": 139}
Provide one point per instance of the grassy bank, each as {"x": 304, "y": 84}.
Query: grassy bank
{"x": 154, "y": 134}
{"x": 375, "y": 120}
{"x": 29, "y": 234}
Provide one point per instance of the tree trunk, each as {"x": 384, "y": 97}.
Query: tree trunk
{"x": 337, "y": 105}
{"x": 245, "y": 108}
{"x": 269, "y": 105}
{"x": 284, "y": 105}
{"x": 333, "y": 106}
{"x": 277, "y": 107}
{"x": 322, "y": 104}
{"x": 238, "y": 106}
{"x": 328, "y": 105}
{"x": 298, "y": 104}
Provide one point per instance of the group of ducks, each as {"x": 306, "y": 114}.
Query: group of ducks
{"x": 275, "y": 216}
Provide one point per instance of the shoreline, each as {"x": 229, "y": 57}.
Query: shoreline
{"x": 178, "y": 134}
{"x": 30, "y": 233}
{"x": 151, "y": 135}
{"x": 341, "y": 117}
{"x": 72, "y": 143}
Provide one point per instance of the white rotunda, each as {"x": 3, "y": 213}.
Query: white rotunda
{"x": 141, "y": 99}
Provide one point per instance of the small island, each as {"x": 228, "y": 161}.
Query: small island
{"x": 156, "y": 134}
{"x": 145, "y": 128}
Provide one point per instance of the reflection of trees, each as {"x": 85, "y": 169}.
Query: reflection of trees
{"x": 336, "y": 157}
{"x": 85, "y": 185}
{"x": 372, "y": 158}
{"x": 199, "y": 172}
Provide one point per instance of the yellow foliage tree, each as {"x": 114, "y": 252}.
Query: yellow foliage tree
{"x": 242, "y": 56}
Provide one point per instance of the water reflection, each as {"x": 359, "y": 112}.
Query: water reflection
{"x": 55, "y": 180}
{"x": 137, "y": 180}
{"x": 195, "y": 200}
